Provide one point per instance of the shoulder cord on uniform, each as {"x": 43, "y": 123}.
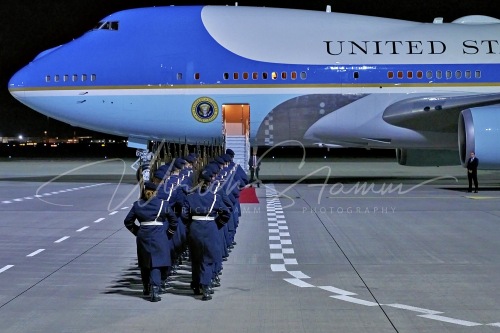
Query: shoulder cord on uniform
{"x": 212, "y": 207}
{"x": 159, "y": 212}
{"x": 170, "y": 192}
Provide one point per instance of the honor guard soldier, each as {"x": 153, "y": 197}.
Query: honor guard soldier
{"x": 187, "y": 171}
{"x": 203, "y": 210}
{"x": 239, "y": 170}
{"x": 153, "y": 251}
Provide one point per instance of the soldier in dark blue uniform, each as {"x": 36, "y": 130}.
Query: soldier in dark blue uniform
{"x": 202, "y": 211}
{"x": 152, "y": 245}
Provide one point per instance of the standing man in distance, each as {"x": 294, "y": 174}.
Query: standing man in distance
{"x": 254, "y": 164}
{"x": 472, "y": 164}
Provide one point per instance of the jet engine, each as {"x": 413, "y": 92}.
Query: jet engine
{"x": 427, "y": 157}
{"x": 479, "y": 132}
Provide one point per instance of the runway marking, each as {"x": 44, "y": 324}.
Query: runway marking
{"x": 450, "y": 320}
{"x": 99, "y": 220}
{"x": 113, "y": 213}
{"x": 337, "y": 290}
{"x": 3, "y": 269}
{"x": 32, "y": 254}
{"x": 298, "y": 275}
{"x": 299, "y": 283}
{"x": 279, "y": 252}
{"x": 481, "y": 198}
{"x": 355, "y": 300}
{"x": 61, "y": 239}
{"x": 51, "y": 193}
{"x": 412, "y": 308}
{"x": 81, "y": 229}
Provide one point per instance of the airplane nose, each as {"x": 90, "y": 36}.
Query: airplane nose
{"x": 17, "y": 84}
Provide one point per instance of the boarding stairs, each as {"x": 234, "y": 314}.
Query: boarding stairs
{"x": 240, "y": 144}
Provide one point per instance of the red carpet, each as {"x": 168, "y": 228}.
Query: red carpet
{"x": 248, "y": 196}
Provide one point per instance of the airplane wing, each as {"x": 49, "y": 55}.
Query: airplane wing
{"x": 436, "y": 113}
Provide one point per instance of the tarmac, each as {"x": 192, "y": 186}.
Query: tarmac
{"x": 334, "y": 245}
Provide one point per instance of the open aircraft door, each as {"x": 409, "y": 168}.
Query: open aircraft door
{"x": 236, "y": 129}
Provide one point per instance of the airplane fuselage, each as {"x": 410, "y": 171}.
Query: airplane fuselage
{"x": 317, "y": 77}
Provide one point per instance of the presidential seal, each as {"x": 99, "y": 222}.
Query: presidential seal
{"x": 204, "y": 109}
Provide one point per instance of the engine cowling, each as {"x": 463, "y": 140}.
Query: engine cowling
{"x": 427, "y": 157}
{"x": 479, "y": 132}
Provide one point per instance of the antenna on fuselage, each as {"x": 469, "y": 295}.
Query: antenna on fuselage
{"x": 328, "y": 8}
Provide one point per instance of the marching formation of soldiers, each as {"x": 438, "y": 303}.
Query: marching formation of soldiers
{"x": 179, "y": 219}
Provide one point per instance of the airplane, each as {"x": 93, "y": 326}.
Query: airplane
{"x": 430, "y": 91}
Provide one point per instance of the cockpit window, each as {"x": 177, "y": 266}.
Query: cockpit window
{"x": 109, "y": 25}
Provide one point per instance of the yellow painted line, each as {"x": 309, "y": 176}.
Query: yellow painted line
{"x": 480, "y": 198}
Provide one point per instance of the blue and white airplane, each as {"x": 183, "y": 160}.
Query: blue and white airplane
{"x": 429, "y": 90}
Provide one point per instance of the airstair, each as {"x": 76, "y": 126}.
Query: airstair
{"x": 237, "y": 132}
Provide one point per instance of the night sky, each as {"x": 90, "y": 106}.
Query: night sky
{"x": 32, "y": 26}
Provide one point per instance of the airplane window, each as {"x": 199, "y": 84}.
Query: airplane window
{"x": 245, "y": 76}
{"x": 107, "y": 26}
{"x": 448, "y": 75}
{"x": 283, "y": 75}
{"x": 196, "y": 76}
{"x": 264, "y": 75}
{"x": 429, "y": 74}
{"x": 179, "y": 76}
{"x": 458, "y": 74}
{"x": 468, "y": 74}
{"x": 293, "y": 75}
{"x": 56, "y": 78}
{"x": 236, "y": 76}
{"x": 255, "y": 75}
{"x": 478, "y": 74}
{"x": 47, "y": 78}
{"x": 66, "y": 78}
{"x": 409, "y": 74}
{"x": 303, "y": 75}
{"x": 92, "y": 77}
{"x": 75, "y": 77}
{"x": 400, "y": 74}
{"x": 390, "y": 75}
{"x": 274, "y": 75}
{"x": 225, "y": 76}
{"x": 356, "y": 75}
{"x": 420, "y": 74}
{"x": 439, "y": 75}
{"x": 98, "y": 26}
{"x": 84, "y": 77}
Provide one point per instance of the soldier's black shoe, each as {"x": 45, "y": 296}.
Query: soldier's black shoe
{"x": 196, "y": 289}
{"x": 215, "y": 283}
{"x": 164, "y": 286}
{"x": 206, "y": 293}
{"x": 146, "y": 291}
{"x": 155, "y": 294}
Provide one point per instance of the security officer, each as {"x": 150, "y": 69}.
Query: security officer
{"x": 152, "y": 246}
{"x": 202, "y": 210}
